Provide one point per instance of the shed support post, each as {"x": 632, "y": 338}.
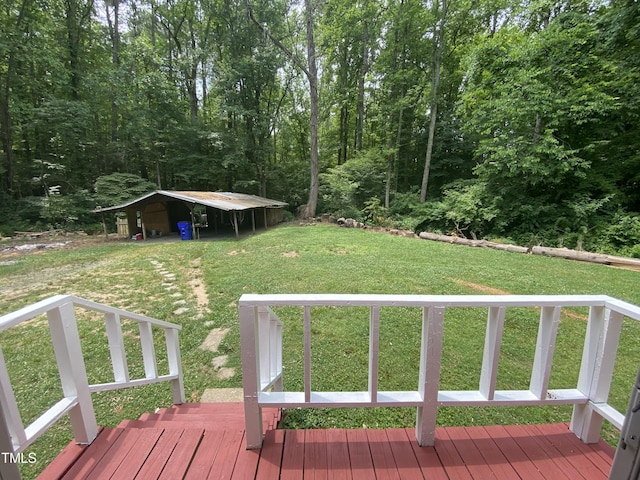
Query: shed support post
{"x": 144, "y": 230}
{"x": 104, "y": 226}
{"x": 235, "y": 225}
{"x": 265, "y": 218}
{"x": 253, "y": 220}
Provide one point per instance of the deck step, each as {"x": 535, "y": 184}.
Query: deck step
{"x": 218, "y": 417}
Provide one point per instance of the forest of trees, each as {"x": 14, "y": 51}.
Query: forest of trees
{"x": 504, "y": 119}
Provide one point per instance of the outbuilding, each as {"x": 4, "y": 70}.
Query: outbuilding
{"x": 160, "y": 213}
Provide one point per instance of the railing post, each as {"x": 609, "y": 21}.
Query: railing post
{"x": 175, "y": 364}
{"x": 73, "y": 375}
{"x": 429, "y": 379}
{"x": 596, "y": 370}
{"x": 250, "y": 374}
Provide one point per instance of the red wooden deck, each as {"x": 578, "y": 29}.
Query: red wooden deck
{"x": 206, "y": 441}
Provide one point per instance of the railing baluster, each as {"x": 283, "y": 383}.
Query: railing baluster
{"x": 429, "y": 377}
{"x": 278, "y": 387}
{"x": 596, "y": 370}
{"x": 491, "y": 356}
{"x": 307, "y": 354}
{"x": 116, "y": 347}
{"x": 73, "y": 375}
{"x": 8, "y": 470}
{"x": 273, "y": 347}
{"x": 264, "y": 344}
{"x": 545, "y": 347}
{"x": 374, "y": 348}
{"x": 9, "y": 406}
{"x": 148, "y": 350}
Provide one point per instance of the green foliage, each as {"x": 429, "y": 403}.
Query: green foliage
{"x": 537, "y": 125}
{"x": 69, "y": 212}
{"x": 465, "y": 210}
{"x": 348, "y": 186}
{"x": 118, "y": 188}
{"x": 623, "y": 234}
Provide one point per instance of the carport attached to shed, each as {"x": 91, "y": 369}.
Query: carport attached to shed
{"x": 160, "y": 211}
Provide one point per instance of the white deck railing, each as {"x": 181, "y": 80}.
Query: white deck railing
{"x": 261, "y": 342}
{"x": 76, "y": 390}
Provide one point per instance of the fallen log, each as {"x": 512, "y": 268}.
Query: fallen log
{"x": 624, "y": 262}
{"x": 507, "y": 247}
{"x": 571, "y": 254}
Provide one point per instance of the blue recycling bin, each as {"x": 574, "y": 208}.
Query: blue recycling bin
{"x": 185, "y": 230}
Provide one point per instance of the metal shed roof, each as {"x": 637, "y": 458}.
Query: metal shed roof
{"x": 226, "y": 201}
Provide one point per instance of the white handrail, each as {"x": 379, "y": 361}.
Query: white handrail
{"x": 76, "y": 401}
{"x": 589, "y": 397}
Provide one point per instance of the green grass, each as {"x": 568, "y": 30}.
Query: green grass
{"x": 320, "y": 259}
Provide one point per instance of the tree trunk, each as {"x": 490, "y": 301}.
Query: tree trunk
{"x": 5, "y": 126}
{"x": 311, "y": 72}
{"x": 435, "y": 83}
{"x": 114, "y": 32}
{"x": 5, "y": 105}
{"x": 192, "y": 76}
{"x": 312, "y": 76}
{"x": 361, "y": 81}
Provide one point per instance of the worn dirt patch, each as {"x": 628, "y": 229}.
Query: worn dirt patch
{"x": 196, "y": 283}
{"x": 496, "y": 291}
{"x": 290, "y": 254}
{"x": 479, "y": 287}
{"x": 233, "y": 253}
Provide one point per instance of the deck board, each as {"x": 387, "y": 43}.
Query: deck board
{"x": 338, "y": 454}
{"x": 403, "y": 454}
{"x": 293, "y": 456}
{"x": 316, "y": 464}
{"x": 515, "y": 456}
{"x": 205, "y": 455}
{"x": 90, "y": 457}
{"x": 134, "y": 460}
{"x": 359, "y": 455}
{"x": 170, "y": 445}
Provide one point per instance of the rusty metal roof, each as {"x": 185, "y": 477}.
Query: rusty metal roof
{"x": 226, "y": 201}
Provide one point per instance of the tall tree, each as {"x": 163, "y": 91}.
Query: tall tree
{"x": 14, "y": 22}
{"x": 310, "y": 69}
{"x": 435, "y": 85}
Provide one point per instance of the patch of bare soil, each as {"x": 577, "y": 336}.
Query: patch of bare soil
{"x": 290, "y": 254}
{"x": 479, "y": 287}
{"x": 496, "y": 291}
{"x": 197, "y": 286}
{"x": 233, "y": 253}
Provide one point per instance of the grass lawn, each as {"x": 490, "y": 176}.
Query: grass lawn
{"x": 318, "y": 259}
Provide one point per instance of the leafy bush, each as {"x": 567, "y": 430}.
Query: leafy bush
{"x": 622, "y": 235}
{"x": 118, "y": 188}
{"x": 345, "y": 189}
{"x": 69, "y": 212}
